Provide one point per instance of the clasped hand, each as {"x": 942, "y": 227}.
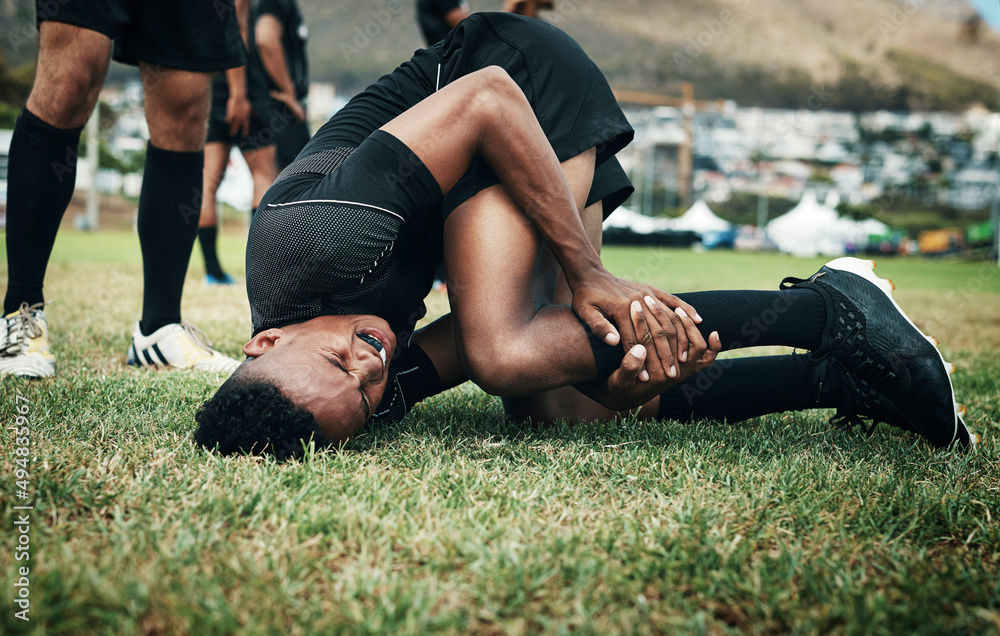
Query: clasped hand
{"x": 657, "y": 330}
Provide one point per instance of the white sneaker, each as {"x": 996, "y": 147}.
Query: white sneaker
{"x": 24, "y": 343}
{"x": 180, "y": 345}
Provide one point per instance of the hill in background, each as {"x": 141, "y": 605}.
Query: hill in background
{"x": 856, "y": 54}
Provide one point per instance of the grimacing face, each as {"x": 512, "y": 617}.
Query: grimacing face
{"x": 336, "y": 367}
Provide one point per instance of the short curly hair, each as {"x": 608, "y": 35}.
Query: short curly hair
{"x": 250, "y": 415}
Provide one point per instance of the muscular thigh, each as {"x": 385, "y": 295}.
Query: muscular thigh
{"x": 492, "y": 255}
{"x": 550, "y": 286}
{"x": 72, "y": 63}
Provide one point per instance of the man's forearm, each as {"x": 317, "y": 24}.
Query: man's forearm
{"x": 236, "y": 79}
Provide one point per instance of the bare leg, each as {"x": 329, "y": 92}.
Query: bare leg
{"x": 216, "y": 158}
{"x": 177, "y": 106}
{"x": 565, "y": 402}
{"x": 485, "y": 114}
{"x": 263, "y": 163}
{"x": 505, "y": 344}
{"x": 72, "y": 63}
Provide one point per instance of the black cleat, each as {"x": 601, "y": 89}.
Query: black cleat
{"x": 896, "y": 372}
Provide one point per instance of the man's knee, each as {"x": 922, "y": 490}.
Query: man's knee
{"x": 490, "y": 362}
{"x": 490, "y": 90}
{"x": 177, "y": 108}
{"x": 72, "y": 63}
{"x": 65, "y": 102}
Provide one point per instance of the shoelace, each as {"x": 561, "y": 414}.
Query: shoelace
{"x": 859, "y": 399}
{"x": 21, "y": 328}
{"x": 197, "y": 336}
{"x": 848, "y": 338}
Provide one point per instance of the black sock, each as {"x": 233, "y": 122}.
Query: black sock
{"x": 169, "y": 206}
{"x": 750, "y": 318}
{"x": 736, "y": 389}
{"x": 41, "y": 174}
{"x": 207, "y": 237}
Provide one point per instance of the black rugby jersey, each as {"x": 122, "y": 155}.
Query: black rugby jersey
{"x": 360, "y": 239}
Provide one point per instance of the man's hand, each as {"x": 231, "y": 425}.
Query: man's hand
{"x": 238, "y": 115}
{"x": 600, "y": 299}
{"x": 294, "y": 106}
{"x": 640, "y": 377}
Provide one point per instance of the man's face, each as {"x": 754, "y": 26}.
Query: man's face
{"x": 336, "y": 367}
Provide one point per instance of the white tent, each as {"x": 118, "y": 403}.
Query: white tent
{"x": 808, "y": 229}
{"x": 626, "y": 219}
{"x": 699, "y": 218}
{"x": 857, "y": 232}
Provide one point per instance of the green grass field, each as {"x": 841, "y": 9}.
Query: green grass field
{"x": 456, "y": 521}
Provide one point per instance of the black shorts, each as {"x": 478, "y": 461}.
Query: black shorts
{"x": 190, "y": 35}
{"x": 570, "y": 97}
{"x": 611, "y": 186}
{"x": 287, "y": 133}
{"x": 568, "y": 93}
{"x": 218, "y": 130}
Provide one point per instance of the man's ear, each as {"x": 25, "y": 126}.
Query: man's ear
{"x": 263, "y": 342}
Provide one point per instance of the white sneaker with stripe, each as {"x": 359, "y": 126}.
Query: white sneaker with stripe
{"x": 24, "y": 343}
{"x": 179, "y": 345}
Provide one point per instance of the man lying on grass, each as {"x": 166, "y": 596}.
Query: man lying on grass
{"x": 494, "y": 149}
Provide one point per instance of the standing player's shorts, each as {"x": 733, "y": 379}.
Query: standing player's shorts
{"x": 190, "y": 35}
{"x": 218, "y": 129}
{"x": 287, "y": 133}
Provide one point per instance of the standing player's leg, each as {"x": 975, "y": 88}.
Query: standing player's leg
{"x": 177, "y": 107}
{"x": 72, "y": 62}
{"x": 263, "y": 164}
{"x": 216, "y": 159}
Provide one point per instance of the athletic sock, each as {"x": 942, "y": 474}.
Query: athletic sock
{"x": 750, "y": 318}
{"x": 169, "y": 206}
{"x": 736, "y": 389}
{"x": 743, "y": 318}
{"x": 208, "y": 238}
{"x": 41, "y": 175}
